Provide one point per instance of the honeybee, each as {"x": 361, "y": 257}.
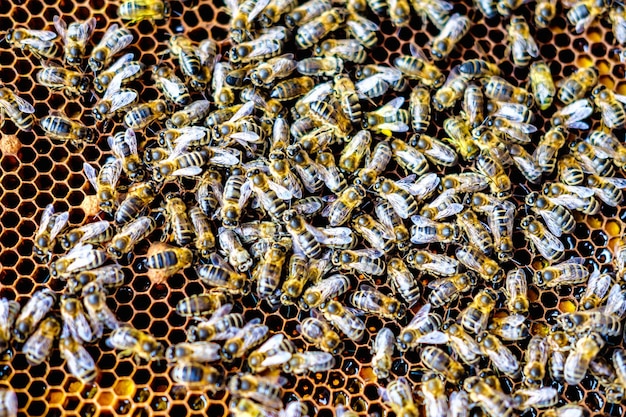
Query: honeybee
{"x": 436, "y": 151}
{"x": 419, "y": 330}
{"x": 571, "y": 116}
{"x": 330, "y": 116}
{"x": 475, "y": 231}
{"x": 571, "y": 271}
{"x": 577, "y": 362}
{"x": 455, "y": 28}
{"x": 582, "y": 14}
{"x": 473, "y": 105}
{"x": 38, "y": 42}
{"x": 255, "y": 50}
{"x": 220, "y": 274}
{"x": 231, "y": 246}
{"x": 577, "y": 85}
{"x": 39, "y": 345}
{"x": 242, "y": 17}
{"x": 198, "y": 305}
{"x": 9, "y": 310}
{"x": 375, "y": 233}
{"x": 50, "y": 225}
{"x": 191, "y": 62}
{"x": 100, "y": 315}
{"x": 110, "y": 277}
{"x": 75, "y": 319}
{"x": 400, "y": 398}
{"x": 124, "y": 65}
{"x": 355, "y": 150}
{"x": 297, "y": 278}
{"x": 307, "y": 169}
{"x": 535, "y": 397}
{"x": 460, "y": 137}
{"x": 324, "y": 290}
{"x": 184, "y": 164}
{"x": 425, "y": 231}
{"x": 541, "y": 82}
{"x": 523, "y": 46}
{"x": 541, "y": 239}
{"x": 343, "y": 319}
{"x": 475, "y": 316}
{"x": 263, "y": 390}
{"x": 79, "y": 362}
{"x": 592, "y": 158}
{"x": 447, "y": 289}
{"x": 319, "y": 333}
{"x": 311, "y": 361}
{"x": 196, "y": 376}
{"x": 511, "y": 327}
{"x": 59, "y": 127}
{"x": 536, "y": 358}
{"x": 311, "y": 32}
{"x": 515, "y": 289}
{"x": 382, "y": 352}
{"x": 135, "y": 342}
{"x": 133, "y": 232}
{"x": 477, "y": 261}
{"x": 33, "y": 311}
{"x": 19, "y": 110}
{"x": 459, "y": 404}
{"x": 306, "y": 12}
{"x": 173, "y": 88}
{"x": 525, "y": 163}
{"x": 178, "y": 224}
{"x": 269, "y": 269}
{"x": 170, "y": 260}
{"x": 605, "y": 324}
{"x": 491, "y": 399}
{"x": 545, "y": 10}
{"x": 329, "y": 171}
{"x": 617, "y": 16}
{"x": 244, "y": 339}
{"x": 364, "y": 261}
{"x": 418, "y": 67}
{"x": 362, "y": 29}
{"x": 75, "y": 37}
{"x": 339, "y": 211}
{"x": 81, "y": 258}
{"x": 138, "y": 10}
{"x": 220, "y": 326}
{"x": 559, "y": 343}
{"x": 596, "y": 291}
{"x": 452, "y": 90}
{"x": 610, "y": 105}
{"x": 370, "y": 300}
{"x": 105, "y": 183}
{"x": 459, "y": 340}
{"x": 190, "y": 114}
{"x": 199, "y": 351}
{"x": 274, "y": 352}
{"x": 113, "y": 41}
{"x": 434, "y": 393}
{"x": 572, "y": 197}
{"x": 138, "y": 198}
{"x": 390, "y": 219}
{"x": 349, "y": 50}
{"x": 409, "y": 157}
{"x": 499, "y": 89}
{"x": 328, "y": 66}
{"x": 124, "y": 146}
{"x": 141, "y": 115}
{"x": 205, "y": 239}
{"x": 269, "y": 194}
{"x": 389, "y": 117}
{"x": 616, "y": 301}
{"x": 404, "y": 194}
{"x": 265, "y": 73}
{"x": 432, "y": 263}
{"x": 439, "y": 361}
{"x": 73, "y": 83}
{"x": 549, "y": 145}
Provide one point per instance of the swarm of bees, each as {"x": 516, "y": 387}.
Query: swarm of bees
{"x": 281, "y": 165}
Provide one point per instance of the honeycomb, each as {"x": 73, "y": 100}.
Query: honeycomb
{"x": 37, "y": 171}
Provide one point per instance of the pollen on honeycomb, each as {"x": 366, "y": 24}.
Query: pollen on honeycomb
{"x": 36, "y": 171}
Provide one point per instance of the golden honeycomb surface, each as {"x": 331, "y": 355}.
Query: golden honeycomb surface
{"x": 39, "y": 171}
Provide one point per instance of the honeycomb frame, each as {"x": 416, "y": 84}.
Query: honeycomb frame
{"x": 42, "y": 171}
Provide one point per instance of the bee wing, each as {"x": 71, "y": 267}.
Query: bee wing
{"x": 420, "y": 316}
{"x": 258, "y": 8}
{"x": 85, "y": 30}
{"x": 121, "y": 62}
{"x": 318, "y": 93}
{"x": 45, "y": 217}
{"x": 191, "y": 171}
{"x": 609, "y": 112}
{"x": 598, "y": 284}
{"x": 423, "y": 221}
{"x": 94, "y": 229}
{"x": 424, "y": 185}
{"x": 539, "y": 397}
{"x": 582, "y": 192}
{"x": 616, "y": 301}
{"x": 391, "y": 107}
{"x": 55, "y": 77}
{"x": 618, "y": 182}
{"x": 281, "y": 192}
{"x": 92, "y": 175}
{"x": 122, "y": 98}
{"x": 59, "y": 224}
{"x": 548, "y": 244}
{"x": 277, "y": 358}
{"x": 138, "y": 227}
{"x": 130, "y": 139}
{"x": 434, "y": 338}
{"x": 331, "y": 235}
{"x": 219, "y": 313}
{"x": 243, "y": 111}
{"x": 266, "y": 48}
{"x": 43, "y": 35}
{"x": 271, "y": 343}
{"x": 450, "y": 210}
{"x": 552, "y": 222}
{"x": 121, "y": 41}
{"x": 59, "y": 25}
{"x": 366, "y": 87}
